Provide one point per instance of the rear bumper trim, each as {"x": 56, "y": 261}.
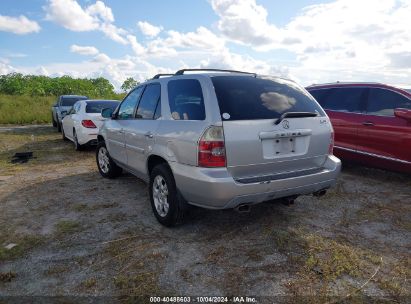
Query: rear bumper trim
{"x": 267, "y": 178}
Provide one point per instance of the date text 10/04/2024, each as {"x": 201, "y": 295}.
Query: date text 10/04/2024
{"x": 203, "y": 300}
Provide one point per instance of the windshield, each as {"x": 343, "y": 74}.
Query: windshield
{"x": 70, "y": 101}
{"x": 97, "y": 106}
{"x": 247, "y": 98}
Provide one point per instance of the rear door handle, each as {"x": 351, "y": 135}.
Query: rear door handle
{"x": 368, "y": 123}
{"x": 149, "y": 135}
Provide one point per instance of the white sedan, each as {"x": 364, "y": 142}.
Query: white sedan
{"x": 82, "y": 123}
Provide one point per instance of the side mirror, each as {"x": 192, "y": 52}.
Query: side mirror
{"x": 403, "y": 113}
{"x": 107, "y": 113}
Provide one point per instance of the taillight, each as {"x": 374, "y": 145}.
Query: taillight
{"x": 331, "y": 146}
{"x": 87, "y": 123}
{"x": 211, "y": 148}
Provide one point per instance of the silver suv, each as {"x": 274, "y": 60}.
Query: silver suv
{"x": 219, "y": 139}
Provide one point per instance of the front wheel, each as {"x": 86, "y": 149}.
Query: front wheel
{"x": 106, "y": 166}
{"x": 168, "y": 206}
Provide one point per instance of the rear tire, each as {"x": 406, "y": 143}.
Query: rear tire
{"x": 53, "y": 121}
{"x": 105, "y": 164}
{"x": 58, "y": 126}
{"x": 77, "y": 146}
{"x": 168, "y": 205}
{"x": 63, "y": 135}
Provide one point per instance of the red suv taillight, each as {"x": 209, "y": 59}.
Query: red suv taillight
{"x": 331, "y": 146}
{"x": 211, "y": 148}
{"x": 88, "y": 124}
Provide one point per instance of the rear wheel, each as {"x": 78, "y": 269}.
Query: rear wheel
{"x": 168, "y": 205}
{"x": 53, "y": 121}
{"x": 77, "y": 146}
{"x": 58, "y": 126}
{"x": 63, "y": 135}
{"x": 106, "y": 166}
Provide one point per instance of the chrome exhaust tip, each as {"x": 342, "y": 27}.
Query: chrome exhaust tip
{"x": 243, "y": 208}
{"x": 320, "y": 193}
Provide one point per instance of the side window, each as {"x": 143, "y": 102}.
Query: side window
{"x": 383, "y": 102}
{"x": 344, "y": 99}
{"x": 126, "y": 110}
{"x": 149, "y": 101}
{"x": 320, "y": 95}
{"x": 186, "y": 99}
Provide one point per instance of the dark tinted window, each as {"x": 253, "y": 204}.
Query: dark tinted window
{"x": 70, "y": 101}
{"x": 97, "y": 106}
{"x": 343, "y": 99}
{"x": 320, "y": 95}
{"x": 244, "y": 97}
{"x": 128, "y": 105}
{"x": 186, "y": 99}
{"x": 148, "y": 102}
{"x": 383, "y": 102}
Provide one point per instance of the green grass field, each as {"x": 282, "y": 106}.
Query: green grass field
{"x": 20, "y": 109}
{"x": 16, "y": 109}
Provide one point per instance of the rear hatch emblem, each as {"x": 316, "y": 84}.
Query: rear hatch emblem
{"x": 286, "y": 124}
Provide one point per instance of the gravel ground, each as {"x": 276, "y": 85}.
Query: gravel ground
{"x": 77, "y": 234}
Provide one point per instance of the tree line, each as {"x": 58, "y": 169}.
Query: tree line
{"x": 35, "y": 85}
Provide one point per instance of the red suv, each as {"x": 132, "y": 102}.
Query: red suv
{"x": 372, "y": 122}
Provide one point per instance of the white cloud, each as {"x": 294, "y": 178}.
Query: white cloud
{"x": 84, "y": 50}
{"x": 100, "y": 9}
{"x": 148, "y": 29}
{"x": 18, "y": 25}
{"x": 245, "y": 22}
{"x": 70, "y": 15}
{"x": 98, "y": 16}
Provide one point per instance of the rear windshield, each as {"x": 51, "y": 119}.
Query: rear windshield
{"x": 70, "y": 101}
{"x": 97, "y": 106}
{"x": 243, "y": 97}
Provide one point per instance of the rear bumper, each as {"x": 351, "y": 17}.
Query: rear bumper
{"x": 87, "y": 136}
{"x": 216, "y": 189}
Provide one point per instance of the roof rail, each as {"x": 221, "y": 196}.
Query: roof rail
{"x": 181, "y": 72}
{"x": 159, "y": 75}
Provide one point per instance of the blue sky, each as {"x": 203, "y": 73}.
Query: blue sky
{"x": 309, "y": 41}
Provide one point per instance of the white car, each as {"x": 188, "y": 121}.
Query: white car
{"x": 82, "y": 123}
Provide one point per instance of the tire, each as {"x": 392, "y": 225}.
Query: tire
{"x": 58, "y": 126}
{"x": 111, "y": 170}
{"x": 53, "y": 121}
{"x": 63, "y": 135}
{"x": 168, "y": 205}
{"x": 77, "y": 146}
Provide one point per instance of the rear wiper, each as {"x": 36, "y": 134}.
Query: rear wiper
{"x": 295, "y": 115}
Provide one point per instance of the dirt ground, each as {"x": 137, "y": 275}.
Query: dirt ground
{"x": 77, "y": 234}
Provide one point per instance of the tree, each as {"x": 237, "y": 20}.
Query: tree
{"x": 128, "y": 84}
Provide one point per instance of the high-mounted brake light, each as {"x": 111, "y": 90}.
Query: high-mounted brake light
{"x": 211, "y": 148}
{"x": 331, "y": 146}
{"x": 87, "y": 123}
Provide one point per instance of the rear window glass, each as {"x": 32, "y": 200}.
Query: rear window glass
{"x": 97, "y": 106}
{"x": 243, "y": 97}
{"x": 186, "y": 99}
{"x": 70, "y": 101}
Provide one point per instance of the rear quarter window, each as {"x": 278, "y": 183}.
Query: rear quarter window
{"x": 248, "y": 98}
{"x": 185, "y": 98}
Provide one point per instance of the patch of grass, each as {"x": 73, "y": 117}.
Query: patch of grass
{"x": 329, "y": 263}
{"x": 57, "y": 269}
{"x": 16, "y": 109}
{"x": 67, "y": 227}
{"x": 89, "y": 283}
{"x": 80, "y": 207}
{"x": 24, "y": 244}
{"x": 7, "y": 276}
{"x": 140, "y": 284}
{"x": 396, "y": 279}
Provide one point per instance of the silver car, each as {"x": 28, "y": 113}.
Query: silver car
{"x": 219, "y": 139}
